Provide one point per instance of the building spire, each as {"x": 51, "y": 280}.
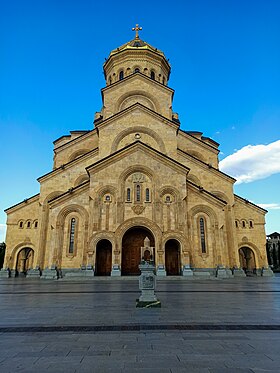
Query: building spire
{"x": 136, "y": 29}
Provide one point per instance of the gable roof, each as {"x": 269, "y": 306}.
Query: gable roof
{"x": 220, "y": 173}
{"x": 63, "y": 166}
{"x": 113, "y": 117}
{"x": 251, "y": 204}
{"x": 132, "y": 76}
{"x": 131, "y": 147}
{"x": 23, "y": 203}
{"x": 200, "y": 189}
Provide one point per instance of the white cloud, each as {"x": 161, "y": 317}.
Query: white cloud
{"x": 269, "y": 206}
{"x": 3, "y": 228}
{"x": 253, "y": 162}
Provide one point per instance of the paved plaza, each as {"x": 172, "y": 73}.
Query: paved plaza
{"x": 230, "y": 325}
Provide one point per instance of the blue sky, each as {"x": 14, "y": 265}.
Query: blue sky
{"x": 225, "y": 58}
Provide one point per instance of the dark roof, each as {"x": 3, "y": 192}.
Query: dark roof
{"x": 250, "y": 203}
{"x": 190, "y": 133}
{"x": 274, "y": 235}
{"x": 24, "y": 201}
{"x": 70, "y": 190}
{"x": 206, "y": 191}
{"x": 207, "y": 164}
{"x": 61, "y": 167}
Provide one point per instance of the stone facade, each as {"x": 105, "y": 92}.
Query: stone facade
{"x": 135, "y": 175}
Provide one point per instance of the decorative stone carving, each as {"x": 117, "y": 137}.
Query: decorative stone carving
{"x": 138, "y": 177}
{"x": 138, "y": 209}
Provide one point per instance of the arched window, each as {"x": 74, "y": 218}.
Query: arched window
{"x": 137, "y": 70}
{"x": 147, "y": 194}
{"x": 36, "y": 224}
{"x": 21, "y": 224}
{"x": 202, "y": 235}
{"x": 153, "y": 75}
{"x": 167, "y": 199}
{"x": 243, "y": 224}
{"x": 72, "y": 236}
{"x": 250, "y": 224}
{"x": 28, "y": 224}
{"x": 110, "y": 80}
{"x": 128, "y": 195}
{"x": 236, "y": 223}
{"x": 138, "y": 193}
{"x": 163, "y": 80}
{"x": 121, "y": 75}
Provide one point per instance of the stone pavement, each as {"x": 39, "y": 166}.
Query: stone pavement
{"x": 230, "y": 325}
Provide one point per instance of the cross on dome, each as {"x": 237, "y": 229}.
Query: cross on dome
{"x": 136, "y": 29}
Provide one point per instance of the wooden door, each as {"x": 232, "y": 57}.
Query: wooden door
{"x": 133, "y": 240}
{"x": 172, "y": 264}
{"x": 103, "y": 258}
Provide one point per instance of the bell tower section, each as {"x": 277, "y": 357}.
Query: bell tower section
{"x": 136, "y": 72}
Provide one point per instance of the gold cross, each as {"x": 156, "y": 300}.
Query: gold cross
{"x": 136, "y": 29}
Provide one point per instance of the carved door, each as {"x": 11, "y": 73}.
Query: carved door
{"x": 172, "y": 264}
{"x": 103, "y": 258}
{"x": 133, "y": 240}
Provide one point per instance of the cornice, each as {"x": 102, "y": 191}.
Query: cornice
{"x": 249, "y": 204}
{"x": 67, "y": 165}
{"x": 76, "y": 139}
{"x": 206, "y": 193}
{"x": 207, "y": 166}
{"x": 137, "y": 74}
{"x": 195, "y": 139}
{"x": 119, "y": 154}
{"x": 131, "y": 108}
{"x": 132, "y": 52}
{"x": 23, "y": 203}
{"x": 66, "y": 195}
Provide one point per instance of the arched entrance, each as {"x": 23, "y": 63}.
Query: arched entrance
{"x": 247, "y": 260}
{"x": 103, "y": 263}
{"x": 132, "y": 242}
{"x": 25, "y": 259}
{"x": 172, "y": 258}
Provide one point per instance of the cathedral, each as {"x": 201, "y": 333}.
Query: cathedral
{"x": 135, "y": 177}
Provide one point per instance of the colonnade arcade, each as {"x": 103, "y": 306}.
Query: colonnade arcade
{"x": 123, "y": 250}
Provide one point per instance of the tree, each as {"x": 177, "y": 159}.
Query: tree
{"x": 2, "y": 253}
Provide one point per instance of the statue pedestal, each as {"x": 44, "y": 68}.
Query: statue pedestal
{"x": 267, "y": 272}
{"x": 33, "y": 273}
{"x": 187, "y": 271}
{"x": 238, "y": 272}
{"x": 161, "y": 270}
{"x": 147, "y": 284}
{"x": 221, "y": 272}
{"x": 50, "y": 273}
{"x": 5, "y": 273}
{"x": 116, "y": 270}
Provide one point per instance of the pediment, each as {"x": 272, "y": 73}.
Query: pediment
{"x": 138, "y": 154}
{"x": 137, "y": 88}
{"x": 205, "y": 195}
{"x": 137, "y": 108}
{"x": 137, "y": 123}
{"x": 71, "y": 194}
{"x": 138, "y": 77}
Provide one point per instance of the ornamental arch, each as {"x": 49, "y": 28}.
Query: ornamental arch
{"x": 144, "y": 224}
{"x": 71, "y": 231}
{"x": 138, "y": 130}
{"x": 253, "y": 252}
{"x": 132, "y": 241}
{"x": 130, "y": 94}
